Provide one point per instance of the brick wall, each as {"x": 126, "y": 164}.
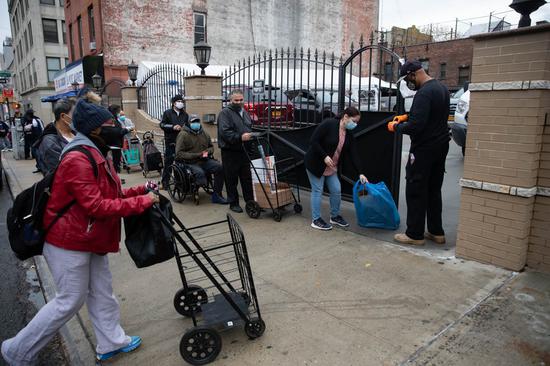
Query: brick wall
{"x": 508, "y": 152}
{"x": 494, "y": 228}
{"x": 455, "y": 54}
{"x": 73, "y": 10}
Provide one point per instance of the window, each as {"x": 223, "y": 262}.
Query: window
{"x": 388, "y": 72}
{"x": 200, "y": 27}
{"x": 28, "y": 69}
{"x": 71, "y": 45}
{"x": 47, "y": 2}
{"x": 23, "y": 83}
{"x": 66, "y": 61}
{"x": 50, "y": 30}
{"x": 61, "y": 3}
{"x": 16, "y": 21}
{"x": 26, "y": 41}
{"x": 80, "y": 35}
{"x": 54, "y": 65}
{"x": 463, "y": 75}
{"x": 425, "y": 64}
{"x": 22, "y": 12}
{"x": 442, "y": 71}
{"x": 64, "y": 31}
{"x": 27, "y": 4}
{"x": 34, "y": 72}
{"x": 91, "y": 23}
{"x": 30, "y": 34}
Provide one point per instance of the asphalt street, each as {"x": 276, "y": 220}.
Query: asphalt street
{"x": 20, "y": 292}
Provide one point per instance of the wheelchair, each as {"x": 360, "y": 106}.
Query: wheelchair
{"x": 182, "y": 183}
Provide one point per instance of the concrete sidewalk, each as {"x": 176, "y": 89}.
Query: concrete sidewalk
{"x": 330, "y": 298}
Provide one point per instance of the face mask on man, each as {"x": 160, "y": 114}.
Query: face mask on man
{"x": 179, "y": 105}
{"x": 121, "y": 118}
{"x": 195, "y": 126}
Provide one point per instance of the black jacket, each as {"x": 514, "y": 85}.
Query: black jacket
{"x": 231, "y": 127}
{"x": 427, "y": 124}
{"x": 169, "y": 119}
{"x": 324, "y": 142}
{"x": 49, "y": 146}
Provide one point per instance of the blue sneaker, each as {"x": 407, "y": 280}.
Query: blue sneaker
{"x": 134, "y": 343}
{"x": 218, "y": 198}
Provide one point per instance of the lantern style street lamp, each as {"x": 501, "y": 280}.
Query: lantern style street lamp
{"x": 132, "y": 72}
{"x": 96, "y": 81}
{"x": 202, "y": 55}
{"x": 525, "y": 8}
{"x": 75, "y": 85}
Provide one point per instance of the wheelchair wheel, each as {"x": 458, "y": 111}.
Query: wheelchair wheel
{"x": 196, "y": 198}
{"x": 176, "y": 187}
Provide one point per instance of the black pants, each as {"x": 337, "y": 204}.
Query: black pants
{"x": 237, "y": 167}
{"x": 424, "y": 175}
{"x": 29, "y": 140}
{"x": 117, "y": 156}
{"x": 169, "y": 153}
{"x": 208, "y": 166}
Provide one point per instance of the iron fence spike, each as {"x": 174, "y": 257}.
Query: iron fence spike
{"x": 361, "y": 43}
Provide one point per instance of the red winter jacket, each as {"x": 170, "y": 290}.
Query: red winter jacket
{"x": 92, "y": 224}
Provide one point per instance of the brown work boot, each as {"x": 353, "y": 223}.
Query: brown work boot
{"x": 438, "y": 239}
{"x": 404, "y": 239}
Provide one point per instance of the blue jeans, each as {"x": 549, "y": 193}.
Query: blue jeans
{"x": 317, "y": 184}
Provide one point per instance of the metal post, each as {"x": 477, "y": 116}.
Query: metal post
{"x": 489, "y": 26}
{"x": 269, "y": 82}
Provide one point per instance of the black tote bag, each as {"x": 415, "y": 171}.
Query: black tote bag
{"x": 148, "y": 240}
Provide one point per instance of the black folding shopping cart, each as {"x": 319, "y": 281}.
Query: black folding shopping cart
{"x": 218, "y": 290}
{"x": 274, "y": 182}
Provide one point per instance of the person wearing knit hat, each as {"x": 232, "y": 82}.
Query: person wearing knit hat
{"x": 89, "y": 116}
{"x": 83, "y": 216}
{"x": 89, "y": 95}
{"x": 172, "y": 121}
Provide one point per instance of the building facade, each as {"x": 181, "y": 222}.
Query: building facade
{"x": 39, "y": 43}
{"x": 125, "y": 30}
{"x": 7, "y": 53}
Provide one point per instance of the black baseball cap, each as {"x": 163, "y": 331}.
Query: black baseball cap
{"x": 407, "y": 68}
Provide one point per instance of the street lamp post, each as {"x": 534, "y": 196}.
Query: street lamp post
{"x": 96, "y": 81}
{"x": 75, "y": 85}
{"x": 202, "y": 55}
{"x": 132, "y": 72}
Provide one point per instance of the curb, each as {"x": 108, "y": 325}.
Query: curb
{"x": 79, "y": 349}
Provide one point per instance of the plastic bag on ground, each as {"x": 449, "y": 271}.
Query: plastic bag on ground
{"x": 374, "y": 206}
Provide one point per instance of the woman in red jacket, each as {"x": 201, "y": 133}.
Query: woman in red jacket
{"x": 77, "y": 244}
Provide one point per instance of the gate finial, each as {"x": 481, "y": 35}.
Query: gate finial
{"x": 361, "y": 43}
{"x": 324, "y": 57}
{"x": 316, "y": 55}
{"x": 351, "y": 49}
{"x": 301, "y": 52}
{"x": 372, "y": 38}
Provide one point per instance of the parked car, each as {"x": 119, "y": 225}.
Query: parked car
{"x": 257, "y": 106}
{"x": 460, "y": 125}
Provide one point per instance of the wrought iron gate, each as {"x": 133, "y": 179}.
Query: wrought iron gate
{"x": 303, "y": 87}
{"x": 158, "y": 86}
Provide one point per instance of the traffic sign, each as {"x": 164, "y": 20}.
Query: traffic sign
{"x": 5, "y": 74}
{"x": 8, "y": 93}
{"x": 3, "y": 80}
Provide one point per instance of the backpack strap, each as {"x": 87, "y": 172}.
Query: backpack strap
{"x": 66, "y": 208}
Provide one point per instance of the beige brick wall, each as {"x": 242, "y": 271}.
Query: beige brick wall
{"x": 538, "y": 255}
{"x": 504, "y": 137}
{"x": 494, "y": 228}
{"x": 517, "y": 57}
{"x": 544, "y": 166}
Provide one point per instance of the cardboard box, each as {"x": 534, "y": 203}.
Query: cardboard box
{"x": 283, "y": 193}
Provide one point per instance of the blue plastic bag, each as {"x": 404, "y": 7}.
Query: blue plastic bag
{"x": 374, "y": 206}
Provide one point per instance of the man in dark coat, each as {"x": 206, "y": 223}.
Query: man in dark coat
{"x": 173, "y": 120}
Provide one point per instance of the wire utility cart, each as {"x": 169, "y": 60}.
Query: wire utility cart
{"x": 271, "y": 180}
{"x": 218, "y": 290}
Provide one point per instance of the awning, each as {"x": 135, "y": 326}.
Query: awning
{"x": 56, "y": 97}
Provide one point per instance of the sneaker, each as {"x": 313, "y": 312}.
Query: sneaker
{"x": 218, "y": 198}
{"x": 339, "y": 220}
{"x": 438, "y": 239}
{"x": 404, "y": 239}
{"x": 134, "y": 343}
{"x": 236, "y": 208}
{"x": 320, "y": 224}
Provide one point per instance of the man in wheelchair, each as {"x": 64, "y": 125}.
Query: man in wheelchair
{"x": 194, "y": 149}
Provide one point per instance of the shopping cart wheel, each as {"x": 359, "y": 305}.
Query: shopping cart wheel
{"x": 200, "y": 346}
{"x": 253, "y": 209}
{"x": 189, "y": 302}
{"x": 277, "y": 215}
{"x": 298, "y": 208}
{"x": 254, "y": 328}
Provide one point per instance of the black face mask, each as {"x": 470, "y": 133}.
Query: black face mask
{"x": 99, "y": 142}
{"x": 111, "y": 135}
{"x": 236, "y": 107}
{"x": 411, "y": 85}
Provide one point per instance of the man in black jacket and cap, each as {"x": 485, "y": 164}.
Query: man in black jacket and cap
{"x": 234, "y": 129}
{"x": 426, "y": 124}
{"x": 173, "y": 120}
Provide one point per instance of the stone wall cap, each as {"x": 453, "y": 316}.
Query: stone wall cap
{"x": 512, "y": 32}
{"x": 203, "y": 77}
